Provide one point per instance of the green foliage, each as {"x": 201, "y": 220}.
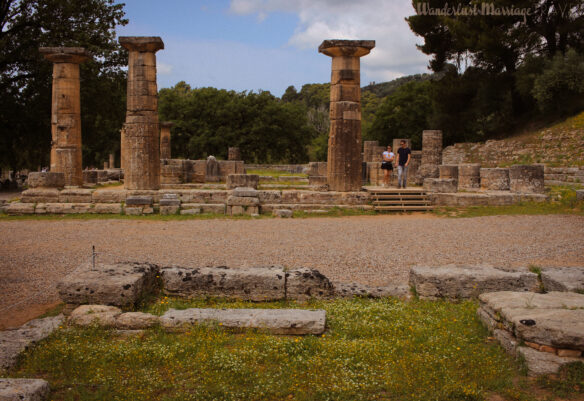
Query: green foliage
{"x": 209, "y": 120}
{"x": 25, "y": 77}
{"x": 404, "y": 114}
{"x": 372, "y": 349}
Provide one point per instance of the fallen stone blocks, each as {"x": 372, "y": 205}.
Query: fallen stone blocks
{"x": 563, "y": 279}
{"x": 46, "y": 180}
{"x": 24, "y": 390}
{"x": 456, "y": 282}
{"x": 13, "y": 342}
{"x": 547, "y": 330}
{"x": 123, "y": 284}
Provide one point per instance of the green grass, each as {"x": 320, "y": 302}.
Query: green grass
{"x": 383, "y": 349}
{"x": 275, "y": 173}
{"x": 335, "y": 212}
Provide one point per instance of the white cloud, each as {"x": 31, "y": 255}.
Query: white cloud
{"x": 163, "y": 68}
{"x": 381, "y": 20}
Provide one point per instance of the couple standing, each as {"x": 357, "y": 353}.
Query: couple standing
{"x": 404, "y": 154}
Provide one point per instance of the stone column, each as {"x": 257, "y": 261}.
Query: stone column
{"x": 66, "y": 111}
{"x": 431, "y": 153}
{"x": 165, "y": 139}
{"x": 112, "y": 161}
{"x": 233, "y": 153}
{"x": 140, "y": 134}
{"x": 122, "y": 149}
{"x": 344, "y": 168}
{"x": 105, "y": 165}
{"x": 469, "y": 176}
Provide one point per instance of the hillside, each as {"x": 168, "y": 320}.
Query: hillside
{"x": 559, "y": 145}
{"x": 384, "y": 89}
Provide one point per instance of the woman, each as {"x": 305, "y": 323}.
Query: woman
{"x": 387, "y": 165}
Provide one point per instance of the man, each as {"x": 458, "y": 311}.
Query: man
{"x": 404, "y": 154}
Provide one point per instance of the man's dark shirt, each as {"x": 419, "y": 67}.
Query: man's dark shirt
{"x": 403, "y": 155}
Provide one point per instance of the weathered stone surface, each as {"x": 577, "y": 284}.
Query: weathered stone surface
{"x": 245, "y": 192}
{"x": 441, "y": 185}
{"x": 242, "y": 201}
{"x": 243, "y": 180}
{"x": 305, "y": 283}
{"x": 543, "y": 363}
{"x": 233, "y": 153}
{"x": 285, "y": 213}
{"x": 276, "y": 321}
{"x": 563, "y": 279}
{"x": 469, "y": 176}
{"x": 75, "y": 195}
{"x": 169, "y": 199}
{"x": 89, "y": 177}
{"x": 168, "y": 210}
{"x": 255, "y": 284}
{"x": 316, "y": 169}
{"x": 495, "y": 179}
{"x": 36, "y": 195}
{"x": 122, "y": 284}
{"x": 24, "y": 390}
{"x": 526, "y": 178}
{"x": 105, "y": 208}
{"x": 68, "y": 208}
{"x": 135, "y": 321}
{"x": 109, "y": 195}
{"x": 101, "y": 315}
{"x": 507, "y": 340}
{"x": 448, "y": 171}
{"x": 46, "y": 180}
{"x": 456, "y": 282}
{"x": 431, "y": 147}
{"x": 13, "y": 342}
{"x": 580, "y": 195}
{"x": 144, "y": 200}
{"x": 348, "y": 290}
{"x": 165, "y": 139}
{"x": 16, "y": 208}
{"x": 317, "y": 180}
{"x": 191, "y": 211}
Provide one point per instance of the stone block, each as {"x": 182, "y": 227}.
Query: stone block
{"x": 169, "y": 199}
{"x": 122, "y": 284}
{"x": 448, "y": 171}
{"x": 17, "y": 208}
{"x": 543, "y": 363}
{"x": 75, "y": 195}
{"x": 245, "y": 192}
{"x": 456, "y": 282}
{"x": 168, "y": 210}
{"x": 441, "y": 185}
{"x": 469, "y": 176}
{"x": 135, "y": 321}
{"x": 255, "y": 284}
{"x": 46, "y": 180}
{"x": 40, "y": 195}
{"x": 563, "y": 279}
{"x": 235, "y": 210}
{"x": 109, "y": 195}
{"x": 100, "y": 315}
{"x": 252, "y": 210}
{"x": 526, "y": 178}
{"x": 317, "y": 180}
{"x": 69, "y": 208}
{"x": 275, "y": 321}
{"x": 495, "y": 179}
{"x": 316, "y": 168}
{"x": 213, "y": 208}
{"x": 106, "y": 208}
{"x": 242, "y": 201}
{"x": 242, "y": 180}
{"x": 348, "y": 290}
{"x": 305, "y": 283}
{"x": 497, "y": 301}
{"x": 133, "y": 211}
{"x": 580, "y": 195}
{"x": 24, "y": 390}
{"x": 286, "y": 213}
{"x": 192, "y": 211}
{"x": 139, "y": 200}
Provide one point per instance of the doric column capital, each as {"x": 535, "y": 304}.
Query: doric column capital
{"x": 73, "y": 55}
{"x": 142, "y": 43}
{"x": 346, "y": 48}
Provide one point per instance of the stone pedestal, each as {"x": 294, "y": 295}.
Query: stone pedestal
{"x": 469, "y": 176}
{"x": 233, "y": 153}
{"x": 112, "y": 161}
{"x": 495, "y": 179}
{"x": 140, "y": 135}
{"x": 46, "y": 180}
{"x": 344, "y": 168}
{"x": 526, "y": 179}
{"x": 165, "y": 139}
{"x": 431, "y": 153}
{"x": 66, "y": 111}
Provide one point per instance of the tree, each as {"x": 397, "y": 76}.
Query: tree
{"x": 25, "y": 77}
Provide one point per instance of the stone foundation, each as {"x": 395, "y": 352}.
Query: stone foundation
{"x": 495, "y": 179}
{"x": 46, "y": 180}
{"x": 527, "y": 178}
{"x": 469, "y": 176}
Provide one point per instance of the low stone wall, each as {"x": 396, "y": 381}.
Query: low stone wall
{"x": 563, "y": 175}
{"x": 287, "y": 168}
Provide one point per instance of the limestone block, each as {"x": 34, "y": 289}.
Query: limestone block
{"x": 24, "y": 390}
{"x": 455, "y": 282}
{"x": 543, "y": 363}
{"x": 75, "y": 195}
{"x": 316, "y": 168}
{"x": 507, "y": 340}
{"x": 191, "y": 211}
{"x": 205, "y": 207}
{"x": 13, "y": 342}
{"x": 227, "y": 167}
{"x": 563, "y": 279}
{"x": 109, "y": 195}
{"x": 344, "y": 165}
{"x": 233, "y": 153}
{"x": 496, "y": 179}
{"x": 169, "y": 199}
{"x": 432, "y": 148}
{"x": 245, "y": 192}
{"x": 469, "y": 176}
{"x": 275, "y": 321}
{"x": 235, "y": 210}
{"x": 242, "y": 180}
{"x": 17, "y": 208}
{"x": 317, "y": 180}
{"x": 255, "y": 284}
{"x": 252, "y": 210}
{"x": 448, "y": 171}
{"x": 46, "y": 180}
{"x": 442, "y": 185}
{"x": 43, "y": 195}
{"x": 305, "y": 283}
{"x": 68, "y": 208}
{"x": 106, "y": 208}
{"x": 139, "y": 200}
{"x": 133, "y": 211}
{"x": 348, "y": 290}
{"x": 169, "y": 210}
{"x": 428, "y": 171}
{"x": 89, "y": 177}
{"x": 122, "y": 284}
{"x": 286, "y": 213}
{"x": 580, "y": 195}
{"x": 101, "y": 315}
{"x": 242, "y": 201}
{"x": 497, "y": 301}
{"x": 526, "y": 178}
{"x": 135, "y": 321}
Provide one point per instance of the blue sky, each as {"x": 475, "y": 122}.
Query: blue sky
{"x": 271, "y": 44}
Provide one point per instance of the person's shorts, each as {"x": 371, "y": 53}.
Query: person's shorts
{"x": 386, "y": 166}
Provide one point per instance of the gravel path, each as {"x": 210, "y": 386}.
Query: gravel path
{"x": 374, "y": 250}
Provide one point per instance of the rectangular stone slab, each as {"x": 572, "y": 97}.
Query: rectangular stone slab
{"x": 563, "y": 279}
{"x": 543, "y": 363}
{"x": 496, "y": 301}
{"x": 122, "y": 284}
{"x": 24, "y": 389}
{"x": 275, "y": 321}
{"x": 255, "y": 284}
{"x": 468, "y": 282}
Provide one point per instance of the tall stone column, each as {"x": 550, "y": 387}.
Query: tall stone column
{"x": 66, "y": 112}
{"x": 165, "y": 139}
{"x": 140, "y": 134}
{"x": 344, "y": 168}
{"x": 112, "y": 161}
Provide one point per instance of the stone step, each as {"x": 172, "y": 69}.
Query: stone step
{"x": 275, "y": 321}
{"x": 401, "y": 202}
{"x": 403, "y": 196}
{"x": 404, "y": 208}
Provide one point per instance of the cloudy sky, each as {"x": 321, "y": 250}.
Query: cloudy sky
{"x": 271, "y": 44}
